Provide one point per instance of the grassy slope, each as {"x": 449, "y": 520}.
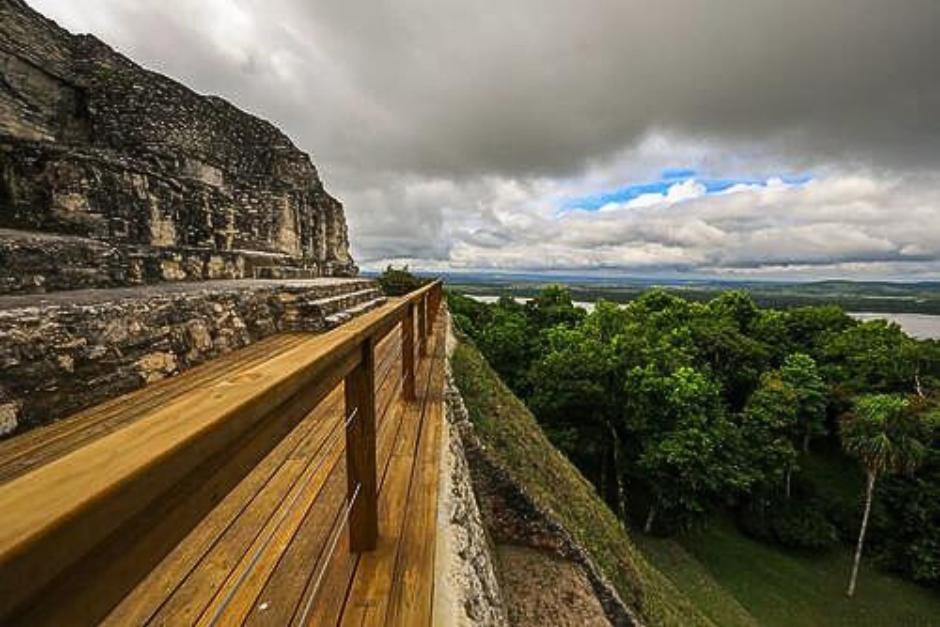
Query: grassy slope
{"x": 509, "y": 431}
{"x": 784, "y": 588}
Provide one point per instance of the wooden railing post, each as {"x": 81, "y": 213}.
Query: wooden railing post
{"x": 360, "y": 451}
{"x": 408, "y": 353}
{"x": 423, "y": 325}
{"x": 437, "y": 296}
{"x": 429, "y": 320}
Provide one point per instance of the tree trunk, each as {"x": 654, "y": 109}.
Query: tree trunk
{"x": 917, "y": 386}
{"x": 869, "y": 493}
{"x": 789, "y": 474}
{"x": 806, "y": 441}
{"x": 618, "y": 476}
{"x": 602, "y": 482}
{"x": 650, "y": 517}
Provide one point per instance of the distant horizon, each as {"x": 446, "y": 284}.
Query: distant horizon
{"x": 536, "y": 276}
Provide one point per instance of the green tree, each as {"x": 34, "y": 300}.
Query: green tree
{"x": 872, "y": 357}
{"x": 738, "y": 306}
{"x": 689, "y": 455}
{"x": 577, "y": 398}
{"x": 769, "y": 420}
{"x": 799, "y": 371}
{"x": 470, "y": 315}
{"x": 398, "y": 281}
{"x": 736, "y": 360}
{"x": 809, "y": 328}
{"x": 507, "y": 340}
{"x": 553, "y": 306}
{"x": 887, "y": 438}
{"x": 910, "y": 531}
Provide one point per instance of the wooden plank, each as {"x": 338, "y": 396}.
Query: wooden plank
{"x": 195, "y": 592}
{"x": 140, "y": 605}
{"x": 422, "y": 326}
{"x": 301, "y": 563}
{"x": 323, "y": 593}
{"x": 323, "y": 599}
{"x": 411, "y": 595}
{"x": 22, "y": 453}
{"x": 372, "y": 582}
{"x": 62, "y": 510}
{"x": 387, "y": 354}
{"x": 234, "y": 599}
{"x": 408, "y": 353}
{"x": 429, "y": 317}
{"x": 266, "y": 559}
{"x": 307, "y": 553}
{"x": 135, "y": 551}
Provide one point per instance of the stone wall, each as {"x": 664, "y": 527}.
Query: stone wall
{"x": 467, "y": 590}
{"x": 179, "y": 186}
{"x": 67, "y": 351}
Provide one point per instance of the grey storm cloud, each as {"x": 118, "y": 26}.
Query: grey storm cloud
{"x": 435, "y": 120}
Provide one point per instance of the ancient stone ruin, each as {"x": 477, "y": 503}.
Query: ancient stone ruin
{"x": 113, "y": 175}
{"x": 144, "y": 228}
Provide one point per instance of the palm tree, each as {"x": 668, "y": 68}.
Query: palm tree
{"x": 887, "y": 438}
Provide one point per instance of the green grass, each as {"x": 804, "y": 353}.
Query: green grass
{"x": 510, "y": 432}
{"x": 788, "y": 589}
{"x": 690, "y": 576}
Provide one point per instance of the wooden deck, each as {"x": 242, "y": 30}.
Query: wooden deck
{"x": 258, "y": 534}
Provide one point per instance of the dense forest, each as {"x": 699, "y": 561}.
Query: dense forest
{"x": 679, "y": 410}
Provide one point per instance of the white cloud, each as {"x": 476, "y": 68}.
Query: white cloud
{"x": 857, "y": 224}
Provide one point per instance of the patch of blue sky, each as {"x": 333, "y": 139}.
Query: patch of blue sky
{"x": 673, "y": 174}
{"x": 670, "y": 177}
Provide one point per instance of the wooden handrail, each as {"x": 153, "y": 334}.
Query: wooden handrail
{"x": 54, "y": 515}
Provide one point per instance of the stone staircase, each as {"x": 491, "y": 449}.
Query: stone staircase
{"x": 315, "y": 311}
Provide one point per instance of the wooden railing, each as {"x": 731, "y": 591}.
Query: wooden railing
{"x": 52, "y": 518}
{"x": 361, "y": 410}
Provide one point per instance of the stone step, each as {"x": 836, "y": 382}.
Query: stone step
{"x": 286, "y": 272}
{"x": 341, "y": 302}
{"x": 345, "y": 315}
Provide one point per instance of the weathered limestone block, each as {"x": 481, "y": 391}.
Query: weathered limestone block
{"x": 179, "y": 186}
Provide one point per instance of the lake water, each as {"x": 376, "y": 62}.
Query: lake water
{"x": 921, "y": 326}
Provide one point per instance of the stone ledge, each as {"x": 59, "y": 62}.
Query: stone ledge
{"x": 36, "y": 263}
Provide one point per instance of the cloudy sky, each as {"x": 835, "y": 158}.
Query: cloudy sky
{"x": 740, "y": 138}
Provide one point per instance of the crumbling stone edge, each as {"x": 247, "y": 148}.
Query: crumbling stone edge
{"x": 469, "y": 592}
